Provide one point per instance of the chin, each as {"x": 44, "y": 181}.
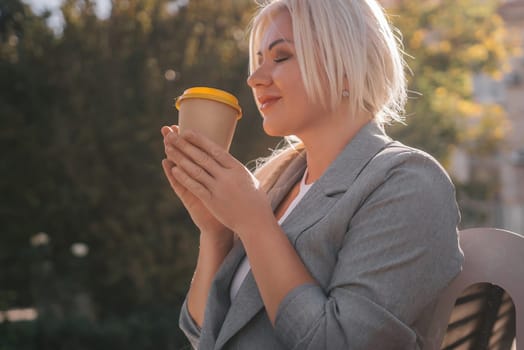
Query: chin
{"x": 271, "y": 130}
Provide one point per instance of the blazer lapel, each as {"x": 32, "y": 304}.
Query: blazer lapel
{"x": 246, "y": 305}
{"x": 218, "y": 302}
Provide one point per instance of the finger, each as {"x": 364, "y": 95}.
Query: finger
{"x": 172, "y": 137}
{"x": 177, "y": 187}
{"x": 195, "y": 187}
{"x": 180, "y": 150}
{"x": 186, "y": 197}
{"x": 221, "y": 156}
{"x": 193, "y": 170}
{"x": 165, "y": 130}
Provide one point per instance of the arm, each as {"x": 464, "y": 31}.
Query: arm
{"x": 233, "y": 196}
{"x": 210, "y": 257}
{"x": 211, "y": 253}
{"x": 276, "y": 266}
{"x": 215, "y": 242}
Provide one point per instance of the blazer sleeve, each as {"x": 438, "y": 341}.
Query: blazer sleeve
{"x": 189, "y": 326}
{"x": 399, "y": 251}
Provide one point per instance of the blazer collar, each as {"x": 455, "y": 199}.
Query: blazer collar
{"x": 370, "y": 140}
{"x": 318, "y": 201}
{"x": 344, "y": 170}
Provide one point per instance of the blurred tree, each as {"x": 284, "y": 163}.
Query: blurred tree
{"x": 26, "y": 100}
{"x": 117, "y": 75}
{"x": 450, "y": 41}
{"x": 81, "y": 111}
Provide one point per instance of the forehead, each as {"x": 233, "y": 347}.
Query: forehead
{"x": 275, "y": 26}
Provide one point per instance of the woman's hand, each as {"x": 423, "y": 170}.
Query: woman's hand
{"x": 200, "y": 215}
{"x": 213, "y": 177}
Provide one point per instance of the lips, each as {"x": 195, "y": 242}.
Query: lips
{"x": 266, "y": 101}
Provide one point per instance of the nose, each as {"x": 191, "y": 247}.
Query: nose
{"x": 259, "y": 77}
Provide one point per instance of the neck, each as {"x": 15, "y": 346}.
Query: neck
{"x": 327, "y": 141}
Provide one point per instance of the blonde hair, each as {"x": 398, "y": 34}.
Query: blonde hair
{"x": 339, "y": 43}
{"x": 267, "y": 170}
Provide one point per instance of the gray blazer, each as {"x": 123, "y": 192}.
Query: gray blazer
{"x": 378, "y": 231}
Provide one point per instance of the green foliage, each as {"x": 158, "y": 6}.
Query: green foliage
{"x": 449, "y": 42}
{"x": 81, "y": 112}
{"x": 24, "y": 90}
{"x": 141, "y": 330}
{"x": 18, "y": 335}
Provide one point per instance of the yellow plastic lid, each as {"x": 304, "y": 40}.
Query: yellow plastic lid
{"x": 210, "y": 94}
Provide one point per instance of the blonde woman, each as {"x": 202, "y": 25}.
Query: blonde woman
{"x": 342, "y": 241}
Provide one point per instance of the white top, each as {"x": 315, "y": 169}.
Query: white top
{"x": 244, "y": 266}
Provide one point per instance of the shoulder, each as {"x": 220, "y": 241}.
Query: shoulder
{"x": 407, "y": 177}
{"x": 399, "y": 160}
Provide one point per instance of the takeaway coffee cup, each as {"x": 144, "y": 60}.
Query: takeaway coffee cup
{"x": 211, "y": 112}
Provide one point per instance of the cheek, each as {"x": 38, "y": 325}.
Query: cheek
{"x": 288, "y": 76}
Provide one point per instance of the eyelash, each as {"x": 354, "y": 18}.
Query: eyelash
{"x": 281, "y": 59}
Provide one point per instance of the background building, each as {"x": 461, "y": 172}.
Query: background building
{"x": 507, "y": 168}
{"x": 512, "y": 157}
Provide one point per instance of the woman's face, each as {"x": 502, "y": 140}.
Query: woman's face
{"x": 277, "y": 83}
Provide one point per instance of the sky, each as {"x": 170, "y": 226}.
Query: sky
{"x": 103, "y": 8}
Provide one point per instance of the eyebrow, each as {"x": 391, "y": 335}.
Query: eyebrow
{"x": 275, "y": 43}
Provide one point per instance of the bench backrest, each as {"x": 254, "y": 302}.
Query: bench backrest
{"x": 483, "y": 307}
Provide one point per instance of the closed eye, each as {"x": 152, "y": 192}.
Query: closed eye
{"x": 281, "y": 55}
{"x": 281, "y": 59}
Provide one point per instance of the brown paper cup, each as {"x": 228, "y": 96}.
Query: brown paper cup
{"x": 211, "y": 112}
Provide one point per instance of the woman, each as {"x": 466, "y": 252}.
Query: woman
{"x": 349, "y": 236}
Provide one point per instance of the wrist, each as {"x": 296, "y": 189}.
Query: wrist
{"x": 218, "y": 242}
{"x": 211, "y": 254}
{"x": 261, "y": 223}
